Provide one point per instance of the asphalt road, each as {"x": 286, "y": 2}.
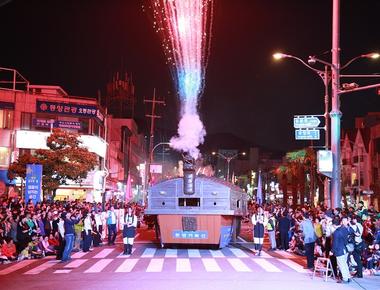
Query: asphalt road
{"x": 150, "y": 267}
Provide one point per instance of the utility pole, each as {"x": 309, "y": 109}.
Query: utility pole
{"x": 152, "y": 117}
{"x": 336, "y": 114}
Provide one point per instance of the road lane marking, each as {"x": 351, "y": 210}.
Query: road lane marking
{"x": 79, "y": 255}
{"x": 183, "y": 265}
{"x": 193, "y": 253}
{"x": 41, "y": 268}
{"x": 211, "y": 265}
{"x": 155, "y": 265}
{"x": 266, "y": 265}
{"x": 294, "y": 266}
{"x": 16, "y": 267}
{"x": 238, "y": 253}
{"x": 148, "y": 253}
{"x": 63, "y": 271}
{"x": 77, "y": 263}
{"x": 171, "y": 253}
{"x": 98, "y": 266}
{"x": 103, "y": 253}
{"x": 127, "y": 266}
{"x": 217, "y": 254}
{"x": 238, "y": 265}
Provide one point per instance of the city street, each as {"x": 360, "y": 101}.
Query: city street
{"x": 150, "y": 267}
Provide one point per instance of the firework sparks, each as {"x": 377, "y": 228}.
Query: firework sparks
{"x": 185, "y": 26}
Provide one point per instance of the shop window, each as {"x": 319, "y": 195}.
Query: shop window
{"x": 6, "y": 119}
{"x": 26, "y": 121}
{"x": 4, "y": 156}
{"x": 85, "y": 125}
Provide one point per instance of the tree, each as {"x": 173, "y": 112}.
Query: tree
{"x": 65, "y": 160}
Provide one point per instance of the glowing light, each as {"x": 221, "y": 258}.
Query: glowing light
{"x": 375, "y": 55}
{"x": 185, "y": 27}
{"x": 278, "y": 56}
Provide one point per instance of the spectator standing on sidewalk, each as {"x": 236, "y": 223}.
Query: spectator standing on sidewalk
{"x": 87, "y": 235}
{"x": 339, "y": 242}
{"x": 69, "y": 222}
{"x": 356, "y": 229}
{"x": 283, "y": 227}
{"x": 111, "y": 226}
{"x": 309, "y": 238}
{"x": 271, "y": 228}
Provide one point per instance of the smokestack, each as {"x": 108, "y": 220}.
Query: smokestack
{"x": 188, "y": 175}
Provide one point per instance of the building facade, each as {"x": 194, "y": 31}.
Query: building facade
{"x": 27, "y": 116}
{"x": 361, "y": 161}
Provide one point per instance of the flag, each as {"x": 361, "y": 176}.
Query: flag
{"x": 128, "y": 190}
{"x": 259, "y": 195}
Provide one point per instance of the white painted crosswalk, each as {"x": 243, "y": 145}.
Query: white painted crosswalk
{"x": 148, "y": 253}
{"x": 41, "y": 268}
{"x": 211, "y": 265}
{"x": 127, "y": 266}
{"x": 155, "y": 265}
{"x": 266, "y": 265}
{"x": 183, "y": 265}
{"x": 193, "y": 253}
{"x": 103, "y": 253}
{"x": 98, "y": 266}
{"x": 154, "y": 260}
{"x": 239, "y": 265}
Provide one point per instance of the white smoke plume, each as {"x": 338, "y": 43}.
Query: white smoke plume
{"x": 191, "y": 133}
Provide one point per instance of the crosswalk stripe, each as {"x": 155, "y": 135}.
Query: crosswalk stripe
{"x": 171, "y": 253}
{"x": 284, "y": 254}
{"x": 121, "y": 255}
{"x": 217, "y": 254}
{"x": 238, "y": 253}
{"x": 76, "y": 263}
{"x": 183, "y": 265}
{"x": 103, "y": 253}
{"x": 265, "y": 255}
{"x": 16, "y": 267}
{"x": 149, "y": 253}
{"x": 193, "y": 253}
{"x": 41, "y": 268}
{"x": 238, "y": 265}
{"x": 98, "y": 266}
{"x": 79, "y": 255}
{"x": 266, "y": 265}
{"x": 155, "y": 265}
{"x": 211, "y": 265}
{"x": 293, "y": 265}
{"x": 62, "y": 271}
{"x": 127, "y": 266}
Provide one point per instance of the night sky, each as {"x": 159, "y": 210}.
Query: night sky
{"x": 77, "y": 44}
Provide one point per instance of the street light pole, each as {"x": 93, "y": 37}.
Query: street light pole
{"x": 335, "y": 114}
{"x": 228, "y": 159}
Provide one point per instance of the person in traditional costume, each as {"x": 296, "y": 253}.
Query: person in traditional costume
{"x": 259, "y": 221}
{"x": 129, "y": 230}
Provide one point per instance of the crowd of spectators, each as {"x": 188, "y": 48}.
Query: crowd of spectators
{"x": 29, "y": 231}
{"x": 346, "y": 236}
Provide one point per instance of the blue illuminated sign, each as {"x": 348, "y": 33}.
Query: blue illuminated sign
{"x": 178, "y": 234}
{"x": 33, "y": 183}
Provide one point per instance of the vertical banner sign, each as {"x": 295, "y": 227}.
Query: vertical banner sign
{"x": 33, "y": 183}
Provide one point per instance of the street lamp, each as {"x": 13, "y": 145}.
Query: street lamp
{"x": 335, "y": 114}
{"x": 228, "y": 159}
